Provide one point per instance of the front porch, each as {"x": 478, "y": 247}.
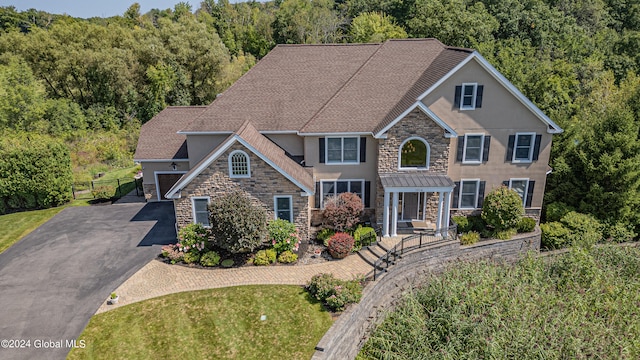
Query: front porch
{"x": 416, "y": 201}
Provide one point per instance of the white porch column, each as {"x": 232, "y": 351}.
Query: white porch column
{"x": 439, "y": 218}
{"x": 394, "y": 215}
{"x": 385, "y": 215}
{"x": 447, "y": 210}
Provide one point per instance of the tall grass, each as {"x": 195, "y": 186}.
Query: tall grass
{"x": 584, "y": 304}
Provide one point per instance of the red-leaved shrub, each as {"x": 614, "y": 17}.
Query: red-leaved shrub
{"x": 342, "y": 212}
{"x": 340, "y": 245}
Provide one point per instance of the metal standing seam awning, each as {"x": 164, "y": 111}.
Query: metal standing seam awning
{"x": 403, "y": 182}
{"x": 416, "y": 182}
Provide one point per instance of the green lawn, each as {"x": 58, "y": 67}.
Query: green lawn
{"x": 17, "y": 225}
{"x": 210, "y": 324}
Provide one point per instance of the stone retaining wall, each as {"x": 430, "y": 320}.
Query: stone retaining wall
{"x": 349, "y": 333}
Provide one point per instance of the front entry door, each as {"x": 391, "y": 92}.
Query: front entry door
{"x": 412, "y": 207}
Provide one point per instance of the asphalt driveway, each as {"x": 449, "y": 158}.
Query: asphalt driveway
{"x": 54, "y": 279}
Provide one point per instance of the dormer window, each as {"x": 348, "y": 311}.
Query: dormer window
{"x": 414, "y": 154}
{"x": 239, "y": 166}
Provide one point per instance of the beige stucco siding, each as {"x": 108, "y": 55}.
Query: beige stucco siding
{"x": 199, "y": 146}
{"x": 150, "y": 168}
{"x": 366, "y": 170}
{"x": 291, "y": 143}
{"x": 500, "y": 116}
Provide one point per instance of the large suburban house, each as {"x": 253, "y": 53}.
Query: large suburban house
{"x": 417, "y": 129}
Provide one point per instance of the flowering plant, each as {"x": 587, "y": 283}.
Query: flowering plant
{"x": 283, "y": 236}
{"x": 192, "y": 237}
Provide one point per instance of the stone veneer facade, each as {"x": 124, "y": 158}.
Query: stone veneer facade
{"x": 415, "y": 124}
{"x": 265, "y": 183}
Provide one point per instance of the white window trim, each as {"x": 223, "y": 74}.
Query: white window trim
{"x": 428, "y": 159}
{"x": 275, "y": 206}
{"x": 333, "y": 162}
{"x": 475, "y": 198}
{"x": 231, "y": 175}
{"x": 193, "y": 207}
{"x": 349, "y": 181}
{"x": 473, "y": 97}
{"x": 464, "y": 151}
{"x": 515, "y": 147}
{"x": 526, "y": 189}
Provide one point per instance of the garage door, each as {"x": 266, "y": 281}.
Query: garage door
{"x": 165, "y": 182}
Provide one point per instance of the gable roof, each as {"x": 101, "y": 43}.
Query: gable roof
{"x": 261, "y": 146}
{"x": 159, "y": 139}
{"x": 330, "y": 88}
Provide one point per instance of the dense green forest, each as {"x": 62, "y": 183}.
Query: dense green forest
{"x": 92, "y": 82}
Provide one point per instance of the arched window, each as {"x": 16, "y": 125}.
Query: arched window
{"x": 239, "y": 166}
{"x": 414, "y": 154}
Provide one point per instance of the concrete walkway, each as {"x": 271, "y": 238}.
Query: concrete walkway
{"x": 157, "y": 278}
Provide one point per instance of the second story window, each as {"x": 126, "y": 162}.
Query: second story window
{"x": 342, "y": 150}
{"x": 468, "y": 96}
{"x": 414, "y": 154}
{"x": 239, "y": 165}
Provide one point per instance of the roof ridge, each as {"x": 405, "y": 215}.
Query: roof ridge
{"x": 335, "y": 95}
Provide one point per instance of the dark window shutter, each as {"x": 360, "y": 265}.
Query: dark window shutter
{"x": 481, "y": 193}
{"x": 505, "y": 183}
{"x": 367, "y": 194}
{"x": 536, "y": 147}
{"x": 456, "y": 194}
{"x": 321, "y": 150}
{"x": 485, "y": 151}
{"x": 317, "y": 198}
{"x": 363, "y": 149}
{"x": 456, "y": 99}
{"x": 479, "y": 91}
{"x": 460, "y": 150}
{"x": 527, "y": 202}
{"x": 512, "y": 141}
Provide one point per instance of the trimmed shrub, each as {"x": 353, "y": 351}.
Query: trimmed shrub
{"x": 336, "y": 294}
{"x": 469, "y": 238}
{"x": 619, "y": 233}
{"x": 476, "y": 223}
{"x": 227, "y": 263}
{"x": 287, "y": 257}
{"x": 103, "y": 192}
{"x": 462, "y": 222}
{"x": 172, "y": 253}
{"x": 210, "y": 258}
{"x": 261, "y": 258}
{"x": 526, "y": 225}
{"x": 504, "y": 234}
{"x": 343, "y": 212}
{"x": 324, "y": 235}
{"x": 191, "y": 257}
{"x": 283, "y": 235}
{"x": 502, "y": 208}
{"x": 554, "y": 235}
{"x": 272, "y": 255}
{"x": 340, "y": 245}
{"x": 237, "y": 225}
{"x": 362, "y": 235}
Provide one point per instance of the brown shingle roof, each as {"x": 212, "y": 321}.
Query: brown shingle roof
{"x": 330, "y": 88}
{"x": 158, "y": 137}
{"x": 262, "y": 147}
{"x": 276, "y": 155}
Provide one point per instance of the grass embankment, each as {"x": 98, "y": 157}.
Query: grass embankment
{"x": 210, "y": 324}
{"x": 584, "y": 304}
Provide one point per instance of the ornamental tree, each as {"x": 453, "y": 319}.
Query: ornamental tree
{"x": 343, "y": 212}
